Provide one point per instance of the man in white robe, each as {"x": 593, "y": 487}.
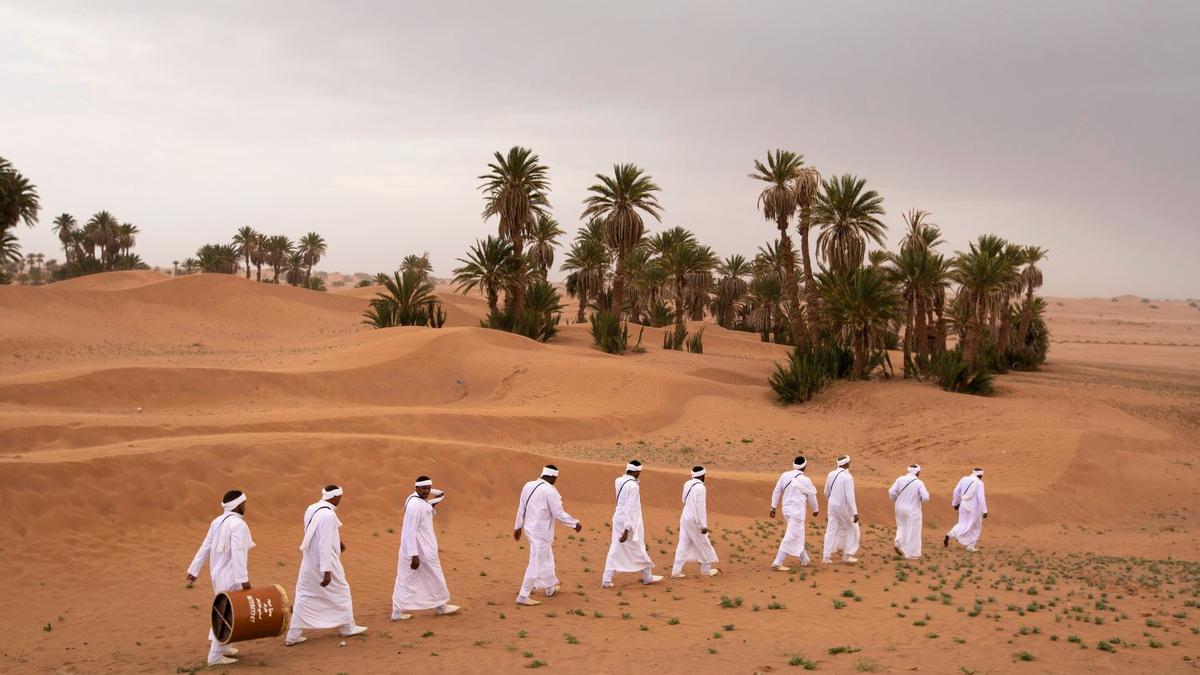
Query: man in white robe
{"x": 909, "y": 493}
{"x": 420, "y": 583}
{"x": 694, "y": 544}
{"x": 971, "y": 504}
{"x": 797, "y": 494}
{"x": 537, "y": 509}
{"x": 842, "y": 533}
{"x": 627, "y": 551}
{"x": 322, "y": 597}
{"x": 226, "y": 549}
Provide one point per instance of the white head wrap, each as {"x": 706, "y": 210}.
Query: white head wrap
{"x": 547, "y": 471}
{"x": 843, "y": 460}
{"x": 914, "y": 469}
{"x": 633, "y": 467}
{"x": 428, "y": 482}
{"x": 697, "y": 474}
{"x": 800, "y": 466}
{"x": 326, "y": 495}
{"x": 234, "y": 503}
{"x": 977, "y": 472}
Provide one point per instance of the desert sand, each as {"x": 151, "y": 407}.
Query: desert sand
{"x": 129, "y": 402}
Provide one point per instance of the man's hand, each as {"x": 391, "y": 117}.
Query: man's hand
{"x": 772, "y": 511}
{"x": 704, "y": 530}
{"x": 517, "y": 534}
{"x": 191, "y": 579}
{"x": 343, "y": 545}
{"x": 856, "y": 517}
{"x": 578, "y": 526}
{"x": 327, "y": 580}
{"x": 624, "y": 536}
{"x": 956, "y": 507}
{"x": 985, "y": 515}
{"x": 246, "y": 586}
{"x": 816, "y": 513}
{"x": 416, "y": 562}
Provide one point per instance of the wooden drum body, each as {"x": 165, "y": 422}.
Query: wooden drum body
{"x": 249, "y": 615}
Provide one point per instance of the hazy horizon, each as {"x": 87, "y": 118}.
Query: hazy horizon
{"x": 1069, "y": 126}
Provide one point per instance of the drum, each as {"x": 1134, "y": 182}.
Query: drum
{"x": 249, "y": 615}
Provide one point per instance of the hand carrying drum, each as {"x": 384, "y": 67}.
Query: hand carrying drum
{"x": 248, "y": 615}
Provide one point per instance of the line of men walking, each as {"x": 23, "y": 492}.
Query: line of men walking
{"x": 322, "y": 599}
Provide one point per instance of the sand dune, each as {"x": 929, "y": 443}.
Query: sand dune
{"x": 130, "y": 401}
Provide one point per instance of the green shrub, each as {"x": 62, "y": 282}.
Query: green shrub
{"x": 695, "y": 343}
{"x": 674, "y": 338}
{"x": 609, "y": 333}
{"x": 953, "y": 375}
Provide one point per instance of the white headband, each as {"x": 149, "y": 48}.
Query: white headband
{"x": 234, "y": 503}
{"x": 800, "y": 466}
{"x": 977, "y": 472}
{"x": 424, "y": 483}
{"x": 914, "y": 469}
{"x": 547, "y": 471}
{"x": 843, "y": 460}
{"x": 330, "y": 494}
{"x": 697, "y": 474}
{"x": 633, "y": 467}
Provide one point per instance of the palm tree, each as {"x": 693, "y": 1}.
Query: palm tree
{"x": 731, "y": 288}
{"x": 419, "y": 264}
{"x": 65, "y": 226}
{"x": 18, "y": 198}
{"x": 981, "y": 273}
{"x": 245, "y": 241}
{"x": 617, "y": 200}
{"x": 126, "y": 237}
{"x": 407, "y": 299}
{"x": 217, "y": 258}
{"x": 10, "y": 250}
{"x": 295, "y": 268}
{"x": 587, "y": 264}
{"x": 783, "y": 173}
{"x": 543, "y": 240}
{"x": 684, "y": 261}
{"x": 765, "y": 297}
{"x": 808, "y": 185}
{"x": 863, "y": 305}
{"x": 260, "y": 255}
{"x": 312, "y": 248}
{"x": 848, "y": 215}
{"x": 515, "y": 189}
{"x": 279, "y": 249}
{"x": 490, "y": 266}
{"x": 919, "y": 234}
{"x": 190, "y": 265}
{"x": 1031, "y": 280}
{"x": 174, "y": 268}
{"x": 102, "y": 233}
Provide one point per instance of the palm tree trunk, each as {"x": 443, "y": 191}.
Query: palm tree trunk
{"x": 258, "y": 272}
{"x": 1026, "y": 319}
{"x": 810, "y": 284}
{"x": 493, "y": 299}
{"x": 799, "y": 330}
{"x": 921, "y": 334}
{"x": 618, "y": 302}
{"x": 679, "y": 308}
{"x": 582, "y": 306}
{"x": 516, "y": 290}
{"x": 908, "y": 337}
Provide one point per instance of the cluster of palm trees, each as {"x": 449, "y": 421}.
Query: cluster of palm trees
{"x": 250, "y": 249}
{"x": 18, "y": 203}
{"x": 840, "y": 289}
{"x": 102, "y": 244}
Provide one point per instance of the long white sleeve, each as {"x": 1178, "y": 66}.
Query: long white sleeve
{"x": 701, "y": 505}
{"x": 622, "y": 517}
{"x": 554, "y": 503}
{"x": 958, "y": 492}
{"x": 894, "y": 491}
{"x": 410, "y": 543}
{"x": 201, "y": 554}
{"x": 327, "y": 539}
{"x": 848, "y": 489}
{"x": 982, "y": 499}
{"x": 923, "y": 492}
{"x": 780, "y": 485}
{"x": 522, "y": 504}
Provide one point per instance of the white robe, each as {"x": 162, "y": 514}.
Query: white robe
{"x": 971, "y": 503}
{"x": 630, "y": 556}
{"x": 798, "y": 496}
{"x": 424, "y": 587}
{"x": 909, "y": 493}
{"x": 694, "y": 546}
{"x": 314, "y": 606}
{"x": 539, "y": 506}
{"x": 226, "y": 549}
{"x": 842, "y": 533}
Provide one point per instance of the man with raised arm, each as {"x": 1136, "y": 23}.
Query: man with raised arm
{"x": 797, "y": 494}
{"x": 420, "y": 583}
{"x": 539, "y": 506}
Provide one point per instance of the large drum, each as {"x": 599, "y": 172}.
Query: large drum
{"x": 248, "y": 615}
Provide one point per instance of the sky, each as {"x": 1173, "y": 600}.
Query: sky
{"x": 1069, "y": 125}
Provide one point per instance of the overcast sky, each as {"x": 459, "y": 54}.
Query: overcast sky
{"x": 1072, "y": 125}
